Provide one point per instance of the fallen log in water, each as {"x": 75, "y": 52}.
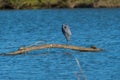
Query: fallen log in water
{"x": 82, "y": 49}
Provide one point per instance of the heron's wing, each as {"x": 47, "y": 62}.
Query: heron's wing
{"x": 67, "y": 37}
{"x": 68, "y": 31}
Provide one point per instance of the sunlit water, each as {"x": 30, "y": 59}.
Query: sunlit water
{"x": 22, "y": 28}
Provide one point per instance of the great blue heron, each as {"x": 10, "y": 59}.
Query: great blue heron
{"x": 66, "y": 31}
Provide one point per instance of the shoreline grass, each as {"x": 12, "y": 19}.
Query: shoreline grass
{"x": 46, "y": 4}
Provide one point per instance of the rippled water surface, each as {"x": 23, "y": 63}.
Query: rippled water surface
{"x": 22, "y": 28}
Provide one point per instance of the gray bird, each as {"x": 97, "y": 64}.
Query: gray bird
{"x": 66, "y": 31}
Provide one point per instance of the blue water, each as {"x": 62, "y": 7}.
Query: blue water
{"x": 22, "y": 28}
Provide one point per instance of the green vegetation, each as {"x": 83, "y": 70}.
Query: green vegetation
{"x": 38, "y": 4}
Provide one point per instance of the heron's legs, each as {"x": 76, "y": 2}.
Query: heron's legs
{"x": 67, "y": 43}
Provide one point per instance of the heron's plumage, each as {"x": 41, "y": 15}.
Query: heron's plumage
{"x": 66, "y": 31}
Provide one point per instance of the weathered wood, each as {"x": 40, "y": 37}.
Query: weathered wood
{"x": 82, "y": 49}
